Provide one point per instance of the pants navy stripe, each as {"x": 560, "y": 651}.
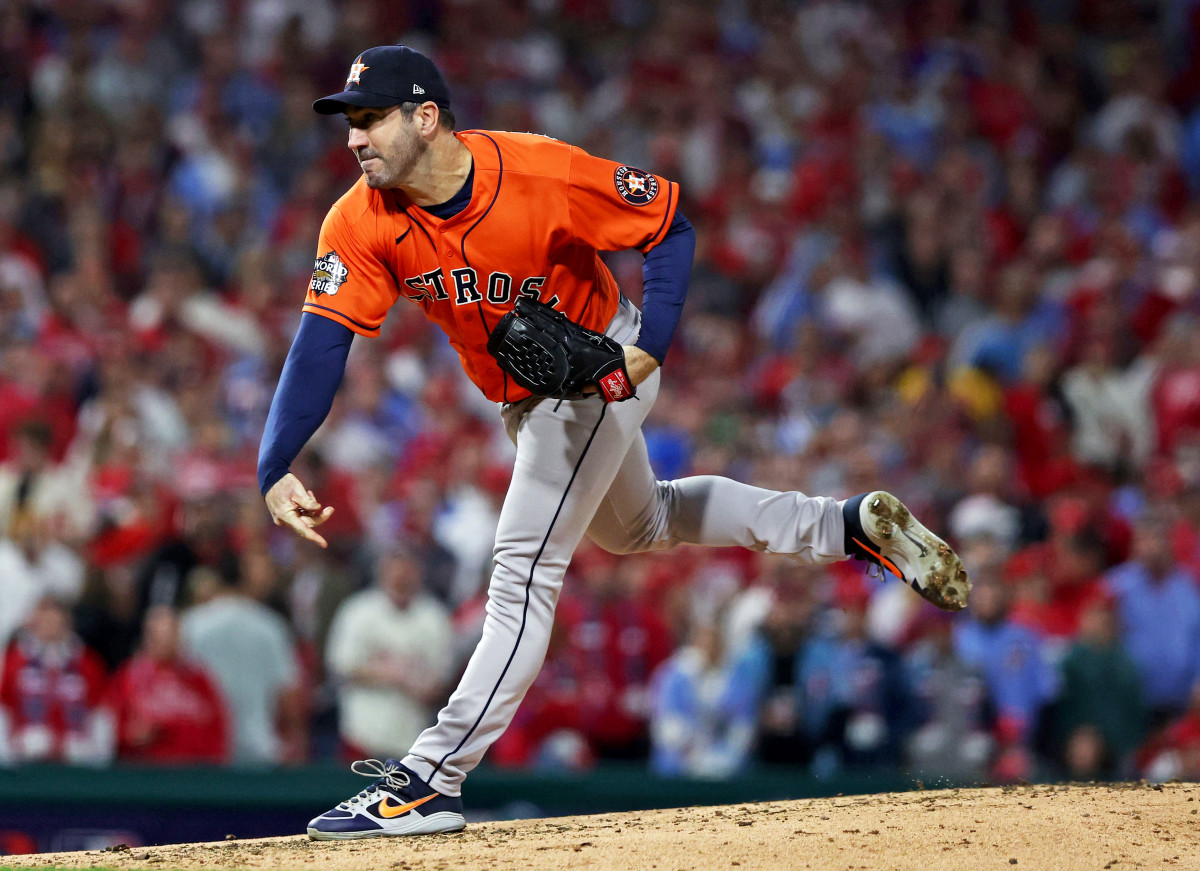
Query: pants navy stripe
{"x": 525, "y": 608}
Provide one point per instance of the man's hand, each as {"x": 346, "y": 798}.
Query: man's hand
{"x": 293, "y": 506}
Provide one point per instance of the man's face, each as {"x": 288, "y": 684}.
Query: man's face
{"x": 50, "y": 623}
{"x": 400, "y": 579}
{"x": 1152, "y": 546}
{"x": 387, "y": 144}
{"x": 989, "y": 601}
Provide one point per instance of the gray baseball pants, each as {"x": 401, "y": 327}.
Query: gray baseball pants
{"x": 582, "y": 468}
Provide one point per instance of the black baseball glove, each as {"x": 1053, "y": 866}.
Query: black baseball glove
{"x": 550, "y": 355}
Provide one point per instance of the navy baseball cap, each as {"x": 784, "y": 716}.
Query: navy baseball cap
{"x": 388, "y": 75}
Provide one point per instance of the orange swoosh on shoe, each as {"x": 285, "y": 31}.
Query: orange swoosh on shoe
{"x": 388, "y": 810}
{"x": 887, "y": 563}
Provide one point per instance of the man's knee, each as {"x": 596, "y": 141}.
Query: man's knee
{"x": 515, "y": 570}
{"x": 650, "y": 530}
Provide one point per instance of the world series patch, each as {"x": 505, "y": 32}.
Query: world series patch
{"x": 329, "y": 274}
{"x": 635, "y": 186}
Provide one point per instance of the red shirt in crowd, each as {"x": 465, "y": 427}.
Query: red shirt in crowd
{"x": 1176, "y": 400}
{"x": 50, "y": 687}
{"x": 1062, "y": 588}
{"x": 168, "y": 712}
{"x": 1040, "y": 437}
{"x": 616, "y": 645}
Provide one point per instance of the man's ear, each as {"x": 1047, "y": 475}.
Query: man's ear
{"x": 430, "y": 115}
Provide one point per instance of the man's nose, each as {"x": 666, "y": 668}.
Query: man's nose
{"x": 357, "y": 138}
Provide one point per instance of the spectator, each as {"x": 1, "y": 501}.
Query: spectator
{"x": 201, "y": 540}
{"x": 1175, "y": 396}
{"x": 1159, "y": 606}
{"x": 1040, "y": 426}
{"x": 1012, "y": 660}
{"x": 56, "y": 495}
{"x": 990, "y": 510}
{"x": 952, "y": 739}
{"x": 167, "y": 710}
{"x": 620, "y": 641}
{"x": 854, "y": 301}
{"x": 106, "y": 615}
{"x": 32, "y": 565}
{"x": 855, "y": 699}
{"x": 473, "y": 500}
{"x": 388, "y": 652}
{"x": 1177, "y": 755}
{"x": 965, "y": 303}
{"x": 248, "y": 650}
{"x": 1099, "y": 716}
{"x": 704, "y": 707}
{"x": 1086, "y": 755}
{"x": 778, "y": 646}
{"x": 1055, "y": 579}
{"x": 1111, "y": 408}
{"x": 1021, "y": 322}
{"x": 1057, "y": 599}
{"x": 51, "y": 694}
{"x": 422, "y": 505}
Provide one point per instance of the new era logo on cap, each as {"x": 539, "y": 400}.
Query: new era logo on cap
{"x": 417, "y": 89}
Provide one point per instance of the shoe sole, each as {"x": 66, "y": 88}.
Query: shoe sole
{"x": 941, "y": 579}
{"x": 434, "y": 824}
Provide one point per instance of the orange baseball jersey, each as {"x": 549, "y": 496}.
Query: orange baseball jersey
{"x": 540, "y": 211}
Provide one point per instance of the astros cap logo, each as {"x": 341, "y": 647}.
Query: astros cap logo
{"x": 356, "y": 69}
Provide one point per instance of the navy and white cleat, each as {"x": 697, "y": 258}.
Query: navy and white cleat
{"x": 881, "y": 530}
{"x": 397, "y": 803}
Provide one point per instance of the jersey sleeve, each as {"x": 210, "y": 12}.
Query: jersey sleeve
{"x": 350, "y": 284}
{"x": 614, "y": 207}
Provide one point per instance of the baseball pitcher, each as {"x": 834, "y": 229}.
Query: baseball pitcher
{"x": 496, "y": 237}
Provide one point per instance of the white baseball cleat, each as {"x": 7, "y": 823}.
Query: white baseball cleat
{"x": 881, "y": 530}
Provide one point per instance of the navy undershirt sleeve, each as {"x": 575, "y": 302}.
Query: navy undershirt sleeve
{"x": 311, "y": 376}
{"x": 665, "y": 275}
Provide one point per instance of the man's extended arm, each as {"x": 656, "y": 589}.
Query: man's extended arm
{"x": 311, "y": 376}
{"x": 665, "y": 275}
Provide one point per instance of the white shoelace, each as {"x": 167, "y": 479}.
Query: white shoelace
{"x": 382, "y": 772}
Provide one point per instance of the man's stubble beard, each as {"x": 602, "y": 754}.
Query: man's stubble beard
{"x": 400, "y": 161}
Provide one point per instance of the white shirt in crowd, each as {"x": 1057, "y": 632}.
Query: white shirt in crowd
{"x": 368, "y": 626}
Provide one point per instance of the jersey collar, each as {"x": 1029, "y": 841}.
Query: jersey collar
{"x": 488, "y": 170}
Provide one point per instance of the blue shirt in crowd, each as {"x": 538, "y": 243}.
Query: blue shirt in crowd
{"x": 704, "y": 718}
{"x": 1014, "y": 666}
{"x": 845, "y": 681}
{"x": 1161, "y": 630}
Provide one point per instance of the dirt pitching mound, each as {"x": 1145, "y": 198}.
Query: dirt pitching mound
{"x": 1034, "y": 827}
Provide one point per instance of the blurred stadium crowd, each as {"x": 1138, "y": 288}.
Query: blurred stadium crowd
{"x": 947, "y": 248}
